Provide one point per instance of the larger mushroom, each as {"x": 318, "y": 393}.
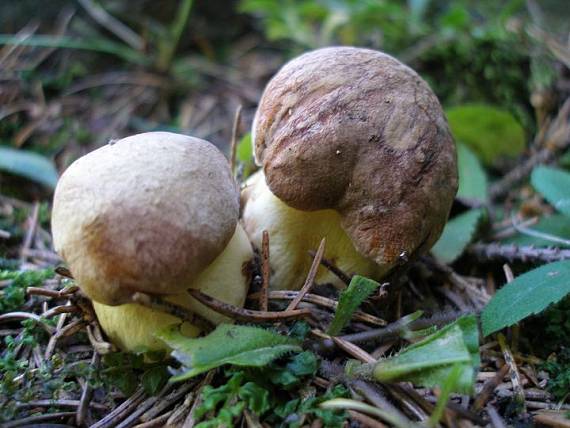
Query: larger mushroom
{"x": 355, "y": 148}
{"x": 157, "y": 214}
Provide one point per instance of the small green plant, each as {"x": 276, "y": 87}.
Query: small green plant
{"x": 261, "y": 391}
{"x": 14, "y": 294}
{"x": 127, "y": 371}
{"x": 559, "y": 370}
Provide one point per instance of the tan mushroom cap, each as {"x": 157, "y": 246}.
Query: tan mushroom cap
{"x": 147, "y": 213}
{"x": 357, "y": 131}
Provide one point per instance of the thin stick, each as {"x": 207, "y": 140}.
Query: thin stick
{"x": 556, "y": 138}
{"x": 63, "y": 271}
{"x": 156, "y": 422}
{"x": 310, "y": 277}
{"x": 167, "y": 401}
{"x": 514, "y": 373}
{"x": 325, "y": 302}
{"x": 529, "y": 254}
{"x": 488, "y": 388}
{"x": 112, "y": 24}
{"x": 87, "y": 393}
{"x": 247, "y": 315}
{"x": 64, "y": 309}
{"x": 161, "y": 305}
{"x": 121, "y": 411}
{"x": 37, "y": 291}
{"x": 32, "y": 420}
{"x": 329, "y": 264}
{"x": 265, "y": 271}
{"x": 349, "y": 348}
{"x": 58, "y": 403}
{"x": 365, "y": 420}
{"x": 32, "y": 224}
{"x": 17, "y": 316}
{"x": 234, "y": 142}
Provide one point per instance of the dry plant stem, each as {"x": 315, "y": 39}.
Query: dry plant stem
{"x": 112, "y": 24}
{"x": 161, "y": 305}
{"x": 53, "y": 339}
{"x": 349, "y": 348}
{"x": 513, "y": 370}
{"x": 251, "y": 420}
{"x": 17, "y": 316}
{"x": 373, "y": 396}
{"x": 63, "y": 271}
{"x": 180, "y": 413}
{"x": 64, "y": 309}
{"x": 327, "y": 303}
{"x": 69, "y": 330}
{"x": 97, "y": 341}
{"x": 512, "y": 230}
{"x": 87, "y": 393}
{"x": 58, "y": 403}
{"x": 265, "y": 271}
{"x": 407, "y": 403}
{"x": 113, "y": 418}
{"x": 310, "y": 277}
{"x": 488, "y": 387}
{"x": 247, "y": 315}
{"x": 190, "y": 421}
{"x": 143, "y": 407}
{"x": 537, "y": 234}
{"x": 333, "y": 268}
{"x": 234, "y": 142}
{"x": 365, "y": 420}
{"x": 159, "y": 421}
{"x": 32, "y": 224}
{"x": 35, "y": 420}
{"x": 167, "y": 401}
{"x": 496, "y": 420}
{"x": 555, "y": 136}
{"x": 512, "y": 253}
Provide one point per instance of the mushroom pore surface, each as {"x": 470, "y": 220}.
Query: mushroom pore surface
{"x": 356, "y": 131}
{"x": 147, "y": 213}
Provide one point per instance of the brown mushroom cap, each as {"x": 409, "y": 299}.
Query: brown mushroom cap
{"x": 147, "y": 213}
{"x": 357, "y": 131}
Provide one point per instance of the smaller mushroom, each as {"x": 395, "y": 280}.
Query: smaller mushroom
{"x": 355, "y": 148}
{"x": 154, "y": 213}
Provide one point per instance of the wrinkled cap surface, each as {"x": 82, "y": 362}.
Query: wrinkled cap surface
{"x": 357, "y": 131}
{"x": 147, "y": 213}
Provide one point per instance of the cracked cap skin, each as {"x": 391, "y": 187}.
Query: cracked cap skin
{"x": 356, "y": 131}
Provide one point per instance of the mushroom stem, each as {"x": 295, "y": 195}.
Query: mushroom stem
{"x": 294, "y": 233}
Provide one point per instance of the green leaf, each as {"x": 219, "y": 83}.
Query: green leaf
{"x": 472, "y": 177}
{"x": 490, "y": 132}
{"x": 29, "y": 165}
{"x": 528, "y": 294}
{"x": 557, "y": 226}
{"x": 446, "y": 390}
{"x": 458, "y": 233}
{"x": 244, "y": 151}
{"x": 227, "y": 344}
{"x": 244, "y": 155}
{"x": 154, "y": 379}
{"x": 554, "y": 185}
{"x": 431, "y": 361}
{"x": 350, "y": 299}
{"x": 255, "y": 397}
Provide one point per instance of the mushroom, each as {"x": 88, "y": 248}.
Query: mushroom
{"x": 354, "y": 147}
{"x": 154, "y": 213}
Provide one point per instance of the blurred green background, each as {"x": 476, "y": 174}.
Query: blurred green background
{"x": 77, "y": 73}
